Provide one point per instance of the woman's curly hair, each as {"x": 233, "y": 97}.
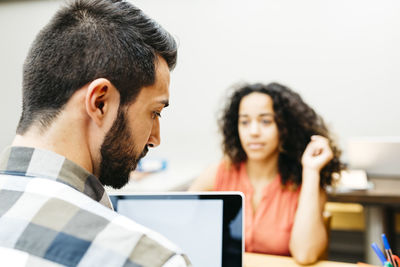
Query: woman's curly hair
{"x": 296, "y": 122}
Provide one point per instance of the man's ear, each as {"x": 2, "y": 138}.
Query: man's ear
{"x": 100, "y": 100}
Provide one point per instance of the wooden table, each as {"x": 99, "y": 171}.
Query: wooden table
{"x": 380, "y": 204}
{"x": 262, "y": 260}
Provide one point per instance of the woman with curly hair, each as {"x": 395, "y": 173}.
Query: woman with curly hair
{"x": 278, "y": 152}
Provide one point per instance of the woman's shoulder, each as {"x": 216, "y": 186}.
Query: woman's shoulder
{"x": 216, "y": 176}
{"x": 229, "y": 176}
{"x": 221, "y": 168}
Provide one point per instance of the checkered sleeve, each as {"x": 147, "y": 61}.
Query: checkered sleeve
{"x": 48, "y": 222}
{"x": 177, "y": 261}
{"x": 17, "y": 258}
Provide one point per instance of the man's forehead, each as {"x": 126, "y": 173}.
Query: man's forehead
{"x": 158, "y": 92}
{"x": 153, "y": 95}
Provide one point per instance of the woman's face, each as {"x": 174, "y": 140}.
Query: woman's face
{"x": 258, "y": 131}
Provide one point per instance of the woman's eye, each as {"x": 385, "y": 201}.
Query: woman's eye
{"x": 266, "y": 122}
{"x": 243, "y": 123}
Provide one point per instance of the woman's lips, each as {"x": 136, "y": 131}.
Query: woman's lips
{"x": 255, "y": 146}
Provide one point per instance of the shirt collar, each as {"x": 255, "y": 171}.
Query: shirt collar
{"x": 34, "y": 162}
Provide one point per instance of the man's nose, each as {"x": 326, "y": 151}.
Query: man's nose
{"x": 155, "y": 139}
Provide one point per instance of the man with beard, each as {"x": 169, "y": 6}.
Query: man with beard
{"x": 94, "y": 84}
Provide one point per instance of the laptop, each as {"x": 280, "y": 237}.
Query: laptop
{"x": 207, "y": 226}
{"x": 378, "y": 156}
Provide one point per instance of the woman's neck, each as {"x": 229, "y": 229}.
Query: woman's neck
{"x": 262, "y": 169}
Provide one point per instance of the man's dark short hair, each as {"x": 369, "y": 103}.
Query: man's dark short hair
{"x": 86, "y": 40}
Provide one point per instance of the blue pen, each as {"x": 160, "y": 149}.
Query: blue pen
{"x": 379, "y": 253}
{"x": 388, "y": 250}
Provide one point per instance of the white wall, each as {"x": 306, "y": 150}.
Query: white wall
{"x": 342, "y": 56}
{"x": 20, "y": 21}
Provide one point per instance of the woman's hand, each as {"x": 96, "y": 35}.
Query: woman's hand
{"x": 317, "y": 154}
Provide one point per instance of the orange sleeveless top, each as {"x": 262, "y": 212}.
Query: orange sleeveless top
{"x": 268, "y": 229}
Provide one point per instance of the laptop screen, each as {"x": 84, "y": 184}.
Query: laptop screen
{"x": 208, "y": 227}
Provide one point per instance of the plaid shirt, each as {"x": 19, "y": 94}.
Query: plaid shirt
{"x": 55, "y": 213}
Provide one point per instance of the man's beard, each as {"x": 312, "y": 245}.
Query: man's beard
{"x": 118, "y": 156}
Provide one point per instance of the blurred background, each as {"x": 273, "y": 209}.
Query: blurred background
{"x": 342, "y": 56}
